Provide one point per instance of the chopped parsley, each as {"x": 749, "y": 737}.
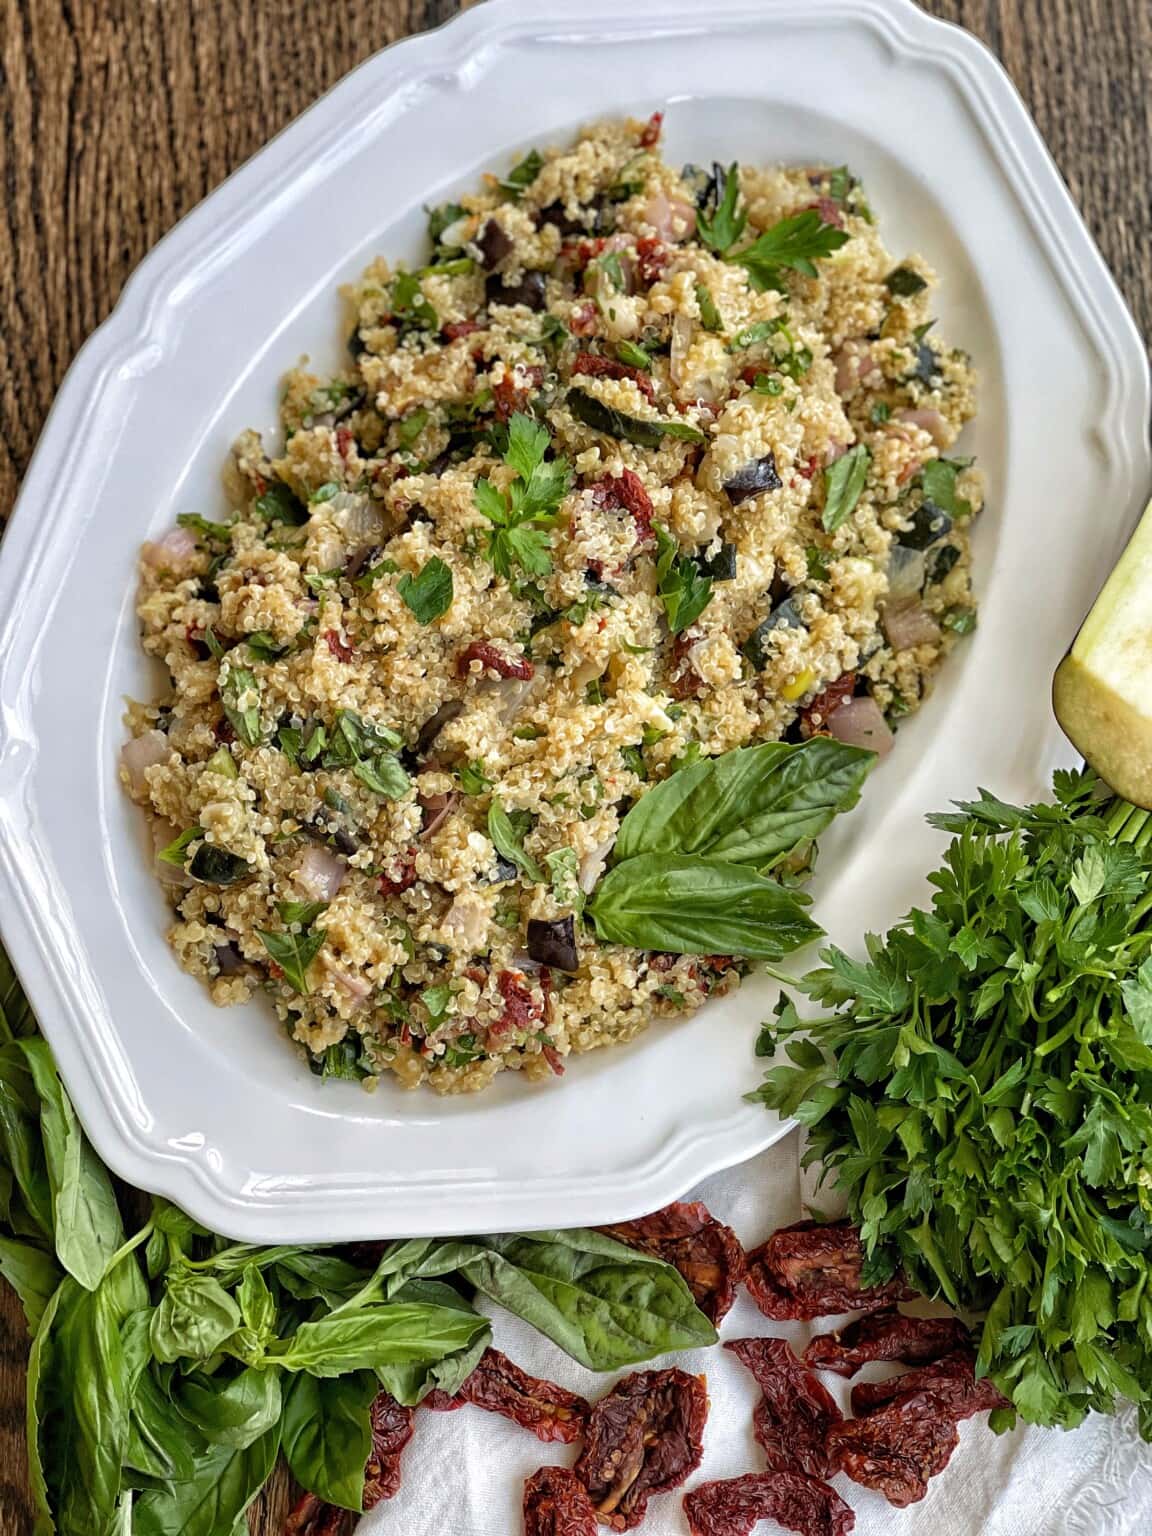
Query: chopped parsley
{"x": 409, "y": 305}
{"x": 938, "y": 478}
{"x": 684, "y": 592}
{"x": 632, "y": 355}
{"x": 214, "y": 533}
{"x": 719, "y": 223}
{"x": 523, "y": 515}
{"x": 523, "y": 174}
{"x": 473, "y": 779}
{"x": 795, "y": 244}
{"x": 279, "y": 503}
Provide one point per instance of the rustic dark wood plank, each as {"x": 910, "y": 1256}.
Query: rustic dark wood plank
{"x": 118, "y": 116}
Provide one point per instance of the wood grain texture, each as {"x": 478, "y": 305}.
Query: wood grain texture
{"x": 118, "y": 116}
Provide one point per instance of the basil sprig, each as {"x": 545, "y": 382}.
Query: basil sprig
{"x": 168, "y": 1371}
{"x": 693, "y": 855}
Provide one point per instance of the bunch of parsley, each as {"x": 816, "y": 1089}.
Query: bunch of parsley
{"x": 982, "y": 1094}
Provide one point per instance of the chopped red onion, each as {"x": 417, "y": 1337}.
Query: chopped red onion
{"x": 909, "y": 623}
{"x": 143, "y": 752}
{"x": 860, "y": 723}
{"x": 319, "y": 873}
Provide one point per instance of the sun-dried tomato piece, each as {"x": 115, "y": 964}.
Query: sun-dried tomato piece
{"x": 887, "y": 1335}
{"x": 457, "y": 328}
{"x": 310, "y": 1516}
{"x": 896, "y": 1449}
{"x": 339, "y": 648}
{"x": 403, "y": 876}
{"x": 522, "y": 1008}
{"x": 391, "y": 1432}
{"x": 500, "y": 1386}
{"x": 556, "y": 1503}
{"x": 792, "y": 1419}
{"x": 345, "y": 442}
{"x": 812, "y": 1269}
{"x": 792, "y": 1499}
{"x": 644, "y": 1437}
{"x": 829, "y": 211}
{"x": 652, "y": 130}
{"x": 513, "y": 392}
{"x": 951, "y": 1380}
{"x": 651, "y": 259}
{"x": 814, "y": 716}
{"x": 505, "y": 663}
{"x": 597, "y": 367}
{"x": 687, "y": 1236}
{"x": 627, "y": 493}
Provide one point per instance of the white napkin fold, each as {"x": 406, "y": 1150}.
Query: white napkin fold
{"x": 464, "y": 1472}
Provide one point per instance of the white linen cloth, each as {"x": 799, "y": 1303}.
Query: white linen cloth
{"x": 464, "y": 1471}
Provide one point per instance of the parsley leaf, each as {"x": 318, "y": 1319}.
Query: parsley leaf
{"x": 795, "y": 243}
{"x": 522, "y": 515}
{"x": 684, "y": 592}
{"x": 410, "y": 307}
{"x": 843, "y": 482}
{"x": 723, "y": 225}
{"x": 429, "y": 593}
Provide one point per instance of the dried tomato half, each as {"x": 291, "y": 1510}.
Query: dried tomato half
{"x": 951, "y": 1380}
{"x": 792, "y": 1419}
{"x": 595, "y": 366}
{"x": 310, "y": 1516}
{"x": 504, "y": 663}
{"x": 812, "y": 1269}
{"x": 886, "y": 1335}
{"x": 792, "y": 1499}
{"x": 687, "y": 1236}
{"x": 556, "y": 1503}
{"x": 391, "y": 1432}
{"x": 627, "y": 492}
{"x": 499, "y": 1386}
{"x": 644, "y": 1437}
{"x": 814, "y": 716}
{"x": 898, "y": 1448}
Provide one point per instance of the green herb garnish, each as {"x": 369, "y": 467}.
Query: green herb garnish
{"x": 938, "y": 478}
{"x": 429, "y": 593}
{"x": 710, "y": 317}
{"x": 214, "y": 533}
{"x": 684, "y": 592}
{"x": 507, "y": 832}
{"x": 594, "y": 413}
{"x": 294, "y": 953}
{"x": 794, "y": 244}
{"x": 522, "y": 516}
{"x": 904, "y": 282}
{"x": 473, "y": 779}
{"x": 632, "y": 355}
{"x": 176, "y": 851}
{"x": 843, "y": 482}
{"x": 279, "y": 503}
{"x": 723, "y": 226}
{"x": 237, "y": 686}
{"x": 523, "y": 174}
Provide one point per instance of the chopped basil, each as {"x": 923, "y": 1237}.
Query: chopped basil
{"x": 344, "y": 1059}
{"x": 176, "y": 849}
{"x": 630, "y": 429}
{"x": 294, "y": 953}
{"x": 244, "y": 719}
{"x": 609, "y": 264}
{"x": 462, "y": 1051}
{"x": 880, "y": 413}
{"x": 938, "y": 478}
{"x": 442, "y": 218}
{"x": 365, "y": 747}
{"x": 429, "y": 593}
{"x": 408, "y": 430}
{"x": 280, "y": 504}
{"x": 263, "y": 647}
{"x": 473, "y": 780}
{"x": 632, "y": 355}
{"x": 719, "y": 223}
{"x": 216, "y": 866}
{"x": 222, "y": 762}
{"x": 368, "y": 579}
{"x": 564, "y": 870}
{"x": 961, "y": 620}
{"x": 817, "y": 559}
{"x": 633, "y": 758}
{"x": 709, "y": 315}
{"x": 436, "y": 1000}
{"x": 768, "y": 384}
{"x": 843, "y": 482}
{"x": 904, "y": 282}
{"x": 321, "y": 581}
{"x": 753, "y": 335}
{"x": 507, "y": 832}
{"x": 523, "y": 174}
{"x": 324, "y": 493}
{"x": 410, "y": 306}
{"x": 302, "y": 913}
{"x": 215, "y": 533}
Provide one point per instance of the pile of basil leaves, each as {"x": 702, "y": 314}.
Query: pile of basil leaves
{"x": 170, "y": 1368}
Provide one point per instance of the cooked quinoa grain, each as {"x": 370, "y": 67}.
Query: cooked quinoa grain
{"x": 604, "y": 488}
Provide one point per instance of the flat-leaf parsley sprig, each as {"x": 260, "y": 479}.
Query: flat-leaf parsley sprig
{"x": 523, "y": 515}
{"x": 982, "y": 1094}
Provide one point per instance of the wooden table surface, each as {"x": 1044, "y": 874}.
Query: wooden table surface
{"x": 117, "y": 116}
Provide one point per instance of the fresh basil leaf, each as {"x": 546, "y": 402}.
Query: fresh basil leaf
{"x": 194, "y": 1318}
{"x": 321, "y": 1276}
{"x": 294, "y": 953}
{"x": 473, "y": 779}
{"x": 82, "y": 1406}
{"x": 88, "y": 1229}
{"x": 161, "y": 1442}
{"x": 384, "y": 775}
{"x": 232, "y": 1412}
{"x": 753, "y": 335}
{"x": 938, "y": 478}
{"x": 32, "y": 1274}
{"x": 22, "y": 1148}
{"x": 794, "y": 243}
{"x": 16, "y": 1017}
{"x": 411, "y": 1384}
{"x": 237, "y": 688}
{"x": 608, "y": 1306}
{"x": 211, "y": 1502}
{"x": 280, "y": 504}
{"x": 42, "y": 1365}
{"x": 607, "y": 420}
{"x": 327, "y": 1435}
{"x": 263, "y": 647}
{"x": 694, "y": 906}
{"x": 843, "y": 482}
{"x": 752, "y": 805}
{"x": 428, "y": 594}
{"x": 365, "y": 1338}
{"x": 509, "y": 843}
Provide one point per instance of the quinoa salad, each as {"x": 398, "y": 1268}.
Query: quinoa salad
{"x": 643, "y": 466}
